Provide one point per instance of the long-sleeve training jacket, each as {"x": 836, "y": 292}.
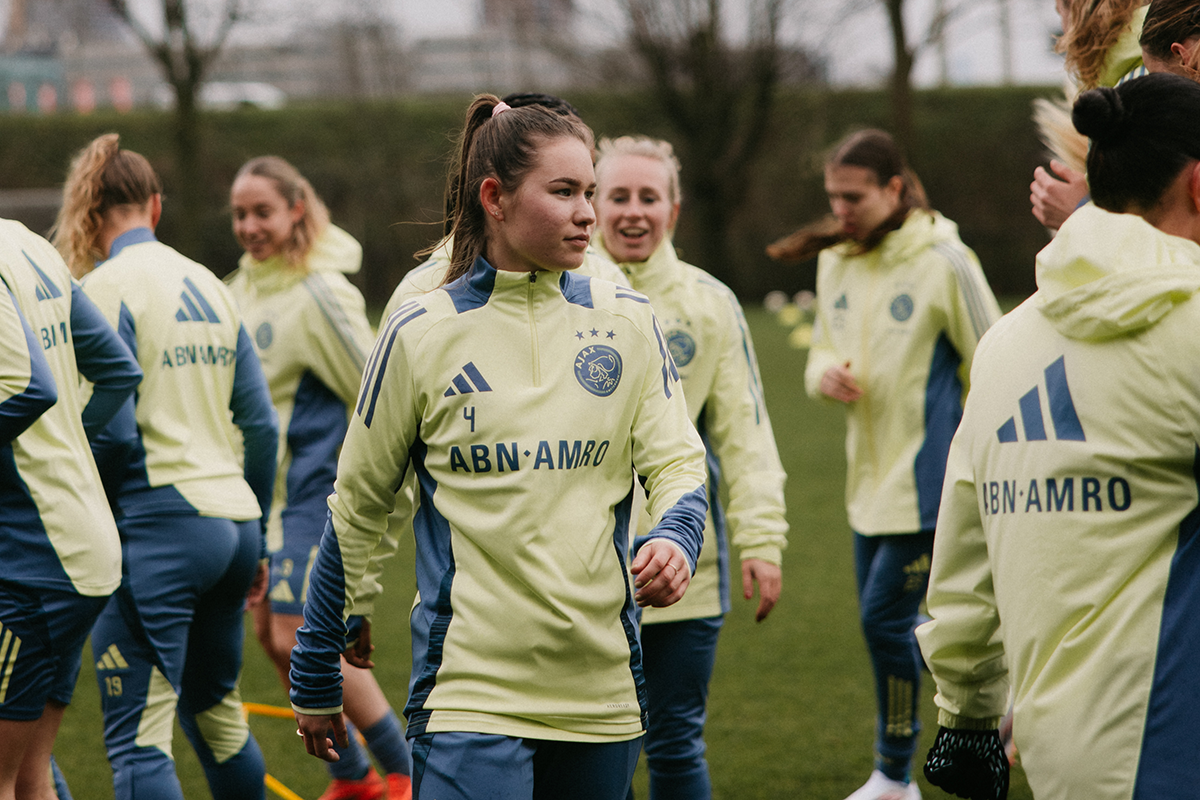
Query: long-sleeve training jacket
{"x": 524, "y": 402}
{"x": 56, "y": 530}
{"x": 201, "y": 438}
{"x": 1067, "y": 555}
{"x": 311, "y": 334}
{"x": 710, "y": 344}
{"x": 906, "y": 317}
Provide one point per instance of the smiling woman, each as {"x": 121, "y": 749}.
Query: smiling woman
{"x": 531, "y": 402}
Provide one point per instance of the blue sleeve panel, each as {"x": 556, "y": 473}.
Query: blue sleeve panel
{"x": 255, "y": 416}
{"x": 104, "y": 359}
{"x": 683, "y": 523}
{"x": 113, "y": 447}
{"x": 316, "y": 673}
{"x": 314, "y": 434}
{"x": 20, "y": 411}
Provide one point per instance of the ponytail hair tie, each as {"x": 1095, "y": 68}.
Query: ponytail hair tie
{"x": 500, "y": 108}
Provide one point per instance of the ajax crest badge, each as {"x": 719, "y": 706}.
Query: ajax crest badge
{"x": 902, "y": 307}
{"x": 682, "y": 347}
{"x": 264, "y": 336}
{"x": 598, "y": 369}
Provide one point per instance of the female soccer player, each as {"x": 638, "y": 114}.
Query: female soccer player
{"x": 311, "y": 333}
{"x": 1066, "y": 559}
{"x": 1100, "y": 43}
{"x": 637, "y": 190}
{"x": 189, "y": 510}
{"x": 58, "y": 544}
{"x": 524, "y": 397}
{"x": 901, "y": 304}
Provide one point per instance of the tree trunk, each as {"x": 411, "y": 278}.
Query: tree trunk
{"x": 190, "y": 189}
{"x": 901, "y": 82}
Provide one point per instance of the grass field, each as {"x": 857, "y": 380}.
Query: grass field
{"x": 791, "y": 709}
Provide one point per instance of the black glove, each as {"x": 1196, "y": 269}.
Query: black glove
{"x": 970, "y": 764}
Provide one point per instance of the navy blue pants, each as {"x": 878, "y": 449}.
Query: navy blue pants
{"x": 170, "y": 640}
{"x": 892, "y": 574}
{"x": 678, "y": 661}
{"x": 471, "y": 766}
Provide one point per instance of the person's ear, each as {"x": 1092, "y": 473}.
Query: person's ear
{"x": 1180, "y": 51}
{"x": 673, "y": 218}
{"x": 155, "y": 210}
{"x": 1194, "y": 187}
{"x": 297, "y": 211}
{"x": 490, "y": 193}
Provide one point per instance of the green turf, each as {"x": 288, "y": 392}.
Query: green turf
{"x": 791, "y": 709}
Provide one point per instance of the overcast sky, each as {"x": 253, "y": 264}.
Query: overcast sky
{"x": 857, "y": 45}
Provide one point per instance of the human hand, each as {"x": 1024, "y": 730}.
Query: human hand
{"x": 769, "y": 578}
{"x": 315, "y": 729}
{"x": 359, "y": 653}
{"x": 661, "y": 574}
{"x": 258, "y": 587}
{"x": 837, "y": 383}
{"x": 1055, "y": 197}
{"x": 969, "y": 764}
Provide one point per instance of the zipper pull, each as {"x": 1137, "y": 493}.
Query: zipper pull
{"x": 533, "y": 277}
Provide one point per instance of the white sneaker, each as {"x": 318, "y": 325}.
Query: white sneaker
{"x": 881, "y": 787}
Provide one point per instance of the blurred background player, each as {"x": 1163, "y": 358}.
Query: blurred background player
{"x": 1067, "y": 549}
{"x": 311, "y": 333}
{"x": 637, "y": 205}
{"x": 190, "y": 512}
{"x": 58, "y": 544}
{"x": 901, "y": 304}
{"x": 526, "y": 667}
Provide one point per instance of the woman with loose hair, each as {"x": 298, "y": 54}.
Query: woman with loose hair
{"x": 1066, "y": 561}
{"x": 1100, "y": 44}
{"x": 901, "y": 304}
{"x": 1170, "y": 37}
{"x": 637, "y": 203}
{"x": 188, "y": 467}
{"x": 310, "y": 330}
{"x": 531, "y": 403}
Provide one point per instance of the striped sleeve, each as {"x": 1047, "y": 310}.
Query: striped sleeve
{"x": 339, "y": 337}
{"x": 974, "y": 307}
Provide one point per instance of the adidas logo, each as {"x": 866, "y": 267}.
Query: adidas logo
{"x": 842, "y": 302}
{"x": 467, "y": 381}
{"x": 195, "y": 308}
{"x": 10, "y": 645}
{"x": 1062, "y": 411}
{"x": 46, "y": 289}
{"x": 112, "y": 659}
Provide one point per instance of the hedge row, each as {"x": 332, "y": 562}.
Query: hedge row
{"x": 381, "y": 169}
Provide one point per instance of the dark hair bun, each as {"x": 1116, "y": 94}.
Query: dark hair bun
{"x": 1099, "y": 114}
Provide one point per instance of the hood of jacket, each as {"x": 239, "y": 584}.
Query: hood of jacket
{"x": 333, "y": 251}
{"x": 1126, "y": 54}
{"x": 921, "y": 230}
{"x": 1106, "y": 275}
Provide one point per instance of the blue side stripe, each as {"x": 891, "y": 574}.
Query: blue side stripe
{"x": 629, "y": 612}
{"x": 1168, "y": 766}
{"x": 435, "y": 569}
{"x": 1031, "y": 416}
{"x": 943, "y": 412}
{"x": 1062, "y": 409}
